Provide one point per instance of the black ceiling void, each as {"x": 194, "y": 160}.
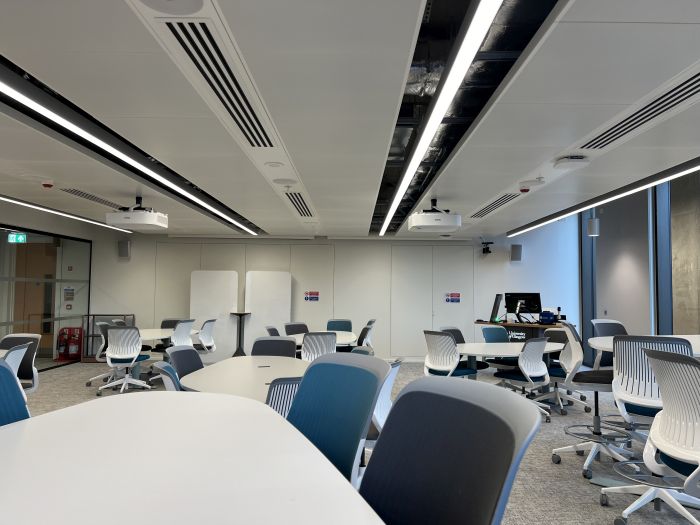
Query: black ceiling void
{"x": 514, "y": 26}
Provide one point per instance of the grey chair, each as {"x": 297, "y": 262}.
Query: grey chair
{"x": 272, "y": 331}
{"x": 334, "y": 420}
{"x": 167, "y": 373}
{"x": 465, "y": 441}
{"x": 166, "y": 343}
{"x": 295, "y": 328}
{"x": 498, "y": 334}
{"x": 185, "y": 360}
{"x": 274, "y": 346}
{"x": 339, "y": 325}
{"x": 364, "y": 350}
{"x": 27, "y": 373}
{"x": 606, "y": 328}
{"x": 281, "y": 394}
{"x": 13, "y": 403}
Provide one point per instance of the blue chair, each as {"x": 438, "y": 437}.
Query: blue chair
{"x": 13, "y": 406}
{"x": 168, "y": 375}
{"x": 334, "y": 404}
{"x": 339, "y": 325}
{"x": 498, "y": 334}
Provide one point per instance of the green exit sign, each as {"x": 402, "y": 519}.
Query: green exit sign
{"x": 16, "y": 238}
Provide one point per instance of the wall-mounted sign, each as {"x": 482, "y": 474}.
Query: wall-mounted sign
{"x": 69, "y": 294}
{"x": 311, "y": 296}
{"x": 16, "y": 238}
{"x": 453, "y": 297}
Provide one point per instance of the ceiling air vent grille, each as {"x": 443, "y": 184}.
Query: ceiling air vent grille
{"x": 502, "y": 200}
{"x": 660, "y": 105}
{"x": 297, "y": 200}
{"x": 198, "y": 42}
{"x": 91, "y": 197}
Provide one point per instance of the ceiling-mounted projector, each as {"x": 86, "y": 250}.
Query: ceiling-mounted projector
{"x": 138, "y": 218}
{"x": 434, "y": 220}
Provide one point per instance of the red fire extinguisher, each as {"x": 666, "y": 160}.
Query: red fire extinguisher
{"x": 70, "y": 343}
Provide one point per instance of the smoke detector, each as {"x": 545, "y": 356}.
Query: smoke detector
{"x": 526, "y": 185}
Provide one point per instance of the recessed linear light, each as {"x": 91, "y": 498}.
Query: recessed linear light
{"x": 4, "y": 198}
{"x": 66, "y": 124}
{"x": 686, "y": 168}
{"x": 480, "y": 23}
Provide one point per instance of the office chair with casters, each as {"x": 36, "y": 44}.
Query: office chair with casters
{"x": 498, "y": 334}
{"x": 272, "y": 331}
{"x": 100, "y": 354}
{"x": 339, "y": 325}
{"x": 448, "y": 428}
{"x": 383, "y": 406}
{"x": 27, "y": 373}
{"x": 166, "y": 343}
{"x": 670, "y": 468}
{"x": 118, "y": 322}
{"x": 295, "y": 328}
{"x": 443, "y": 358}
{"x": 13, "y": 402}
{"x": 316, "y": 344}
{"x": 167, "y": 373}
{"x": 458, "y": 336}
{"x": 606, "y": 328}
{"x": 334, "y": 404}
{"x": 206, "y": 337}
{"x": 274, "y": 346}
{"x": 185, "y": 360}
{"x": 281, "y": 394}
{"x": 182, "y": 335}
{"x": 13, "y": 358}
{"x": 123, "y": 355}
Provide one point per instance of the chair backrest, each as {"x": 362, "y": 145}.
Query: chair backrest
{"x": 275, "y": 346}
{"x": 124, "y": 342}
{"x": 442, "y": 351}
{"x": 465, "y": 439}
{"x": 339, "y": 325}
{"x": 281, "y": 394}
{"x": 295, "y": 328}
{"x": 571, "y": 357}
{"x": 13, "y": 405}
{"x": 633, "y": 378}
{"x": 26, "y": 367}
{"x": 168, "y": 323}
{"x": 455, "y": 332}
{"x": 530, "y": 359}
{"x": 362, "y": 338}
{"x": 556, "y": 335}
{"x": 383, "y": 406}
{"x": 316, "y": 344}
{"x": 607, "y": 328}
{"x": 118, "y": 322}
{"x": 14, "y": 356}
{"x": 169, "y": 376}
{"x": 103, "y": 327}
{"x": 206, "y": 334}
{"x": 334, "y": 404}
{"x": 495, "y": 334}
{"x": 182, "y": 335}
{"x": 364, "y": 350}
{"x": 272, "y": 331}
{"x": 371, "y": 322}
{"x": 185, "y": 359}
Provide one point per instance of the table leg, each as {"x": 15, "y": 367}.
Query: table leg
{"x": 239, "y": 344}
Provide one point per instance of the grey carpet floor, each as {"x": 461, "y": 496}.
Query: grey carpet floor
{"x": 543, "y": 493}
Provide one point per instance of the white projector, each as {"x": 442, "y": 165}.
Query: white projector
{"x": 138, "y": 220}
{"x": 434, "y": 222}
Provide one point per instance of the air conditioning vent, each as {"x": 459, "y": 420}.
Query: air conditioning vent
{"x": 91, "y": 197}
{"x": 297, "y": 200}
{"x": 662, "y": 104}
{"x": 489, "y": 208}
{"x": 198, "y": 42}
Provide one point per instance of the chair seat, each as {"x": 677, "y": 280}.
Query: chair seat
{"x": 557, "y": 371}
{"x": 461, "y": 370}
{"x": 599, "y": 377}
{"x": 516, "y": 375}
{"x": 686, "y": 469}
{"x": 504, "y": 361}
{"x": 642, "y": 411}
{"x": 141, "y": 357}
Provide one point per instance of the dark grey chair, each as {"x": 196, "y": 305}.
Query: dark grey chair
{"x": 27, "y": 374}
{"x": 272, "y": 331}
{"x": 465, "y": 440}
{"x": 339, "y": 325}
{"x": 185, "y": 360}
{"x": 281, "y": 394}
{"x": 606, "y": 328}
{"x": 275, "y": 346}
{"x": 168, "y": 375}
{"x": 295, "y": 328}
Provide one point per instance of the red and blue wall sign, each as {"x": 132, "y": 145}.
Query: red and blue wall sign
{"x": 311, "y": 296}
{"x": 453, "y": 297}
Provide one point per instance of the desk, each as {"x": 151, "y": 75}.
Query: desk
{"x": 500, "y": 349}
{"x": 214, "y": 459}
{"x": 239, "y": 342}
{"x": 341, "y": 338}
{"x": 245, "y": 376}
{"x": 605, "y": 344}
{"x": 521, "y": 331}
{"x": 153, "y": 334}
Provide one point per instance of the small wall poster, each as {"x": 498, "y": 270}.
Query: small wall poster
{"x": 69, "y": 294}
{"x": 453, "y": 297}
{"x": 311, "y": 295}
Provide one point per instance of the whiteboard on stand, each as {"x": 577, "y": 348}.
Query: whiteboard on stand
{"x": 268, "y": 298}
{"x": 214, "y": 295}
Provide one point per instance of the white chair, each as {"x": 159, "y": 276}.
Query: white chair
{"x": 206, "y": 337}
{"x": 673, "y": 448}
{"x": 316, "y": 344}
{"x": 13, "y": 358}
{"x": 606, "y": 328}
{"x": 28, "y": 374}
{"x": 182, "y": 335}
{"x": 123, "y": 354}
{"x": 100, "y": 354}
{"x": 281, "y": 394}
{"x": 443, "y": 358}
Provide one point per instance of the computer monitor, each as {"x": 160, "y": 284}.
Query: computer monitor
{"x": 496, "y": 307}
{"x": 531, "y": 303}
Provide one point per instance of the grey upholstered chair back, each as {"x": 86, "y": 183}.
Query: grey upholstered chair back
{"x": 607, "y": 328}
{"x": 281, "y": 394}
{"x": 272, "y": 331}
{"x": 13, "y": 405}
{"x": 495, "y": 334}
{"x": 316, "y": 344}
{"x": 26, "y": 367}
{"x": 556, "y": 335}
{"x": 295, "y": 328}
{"x": 169, "y": 376}
{"x": 166, "y": 324}
{"x": 364, "y": 350}
{"x": 185, "y": 359}
{"x": 361, "y": 339}
{"x": 14, "y": 357}
{"x": 275, "y": 346}
{"x": 465, "y": 439}
{"x": 339, "y": 325}
{"x": 455, "y": 332}
{"x": 118, "y": 322}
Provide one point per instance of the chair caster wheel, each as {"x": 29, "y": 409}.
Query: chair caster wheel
{"x": 620, "y": 521}
{"x": 99, "y": 393}
{"x": 579, "y": 452}
{"x": 657, "y": 504}
{"x": 587, "y": 473}
{"x": 115, "y": 388}
{"x": 582, "y": 398}
{"x": 105, "y": 379}
{"x": 563, "y": 412}
{"x": 587, "y": 409}
{"x": 547, "y": 419}
{"x": 89, "y": 383}
{"x": 556, "y": 459}
{"x": 569, "y": 403}
{"x": 604, "y": 500}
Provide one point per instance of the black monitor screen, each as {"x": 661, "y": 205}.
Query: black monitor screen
{"x": 531, "y": 303}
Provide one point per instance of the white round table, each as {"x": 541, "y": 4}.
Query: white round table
{"x": 605, "y": 344}
{"x": 341, "y": 338}
{"x": 245, "y": 376}
{"x": 500, "y": 349}
{"x": 218, "y": 460}
{"x": 152, "y": 334}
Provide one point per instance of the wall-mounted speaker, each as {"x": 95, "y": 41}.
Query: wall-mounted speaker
{"x": 124, "y": 249}
{"x": 516, "y": 252}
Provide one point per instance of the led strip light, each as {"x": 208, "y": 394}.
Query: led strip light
{"x": 66, "y": 124}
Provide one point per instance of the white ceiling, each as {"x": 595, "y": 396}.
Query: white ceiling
{"x": 331, "y": 74}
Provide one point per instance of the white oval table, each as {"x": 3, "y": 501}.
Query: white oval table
{"x": 214, "y": 459}
{"x": 500, "y": 349}
{"x": 341, "y": 338}
{"x": 246, "y": 376}
{"x": 605, "y": 344}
